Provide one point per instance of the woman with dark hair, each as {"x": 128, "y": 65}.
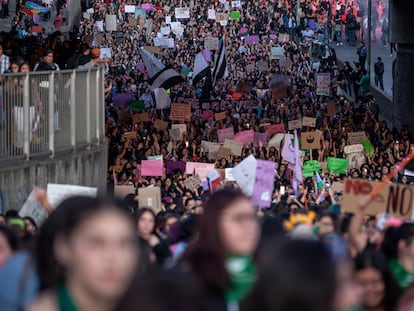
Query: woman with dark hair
{"x": 145, "y": 221}
{"x": 86, "y": 256}
{"x": 30, "y": 225}
{"x": 380, "y": 291}
{"x": 222, "y": 256}
{"x": 8, "y": 243}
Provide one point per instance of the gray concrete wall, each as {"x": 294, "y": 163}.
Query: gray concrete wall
{"x": 84, "y": 168}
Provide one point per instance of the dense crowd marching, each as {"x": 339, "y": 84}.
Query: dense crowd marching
{"x": 201, "y": 243}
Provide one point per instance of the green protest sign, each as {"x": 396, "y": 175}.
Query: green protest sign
{"x": 138, "y": 105}
{"x": 235, "y": 15}
{"x": 368, "y": 147}
{"x": 337, "y": 166}
{"x": 310, "y": 167}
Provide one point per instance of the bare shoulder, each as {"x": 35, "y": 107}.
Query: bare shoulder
{"x": 45, "y": 302}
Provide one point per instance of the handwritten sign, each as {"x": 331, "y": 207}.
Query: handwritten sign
{"x": 180, "y": 112}
{"x": 393, "y": 199}
{"x": 182, "y": 13}
{"x": 193, "y": 182}
{"x": 220, "y": 17}
{"x": 220, "y": 116}
{"x": 223, "y": 134}
{"x": 245, "y": 137}
{"x": 213, "y": 150}
{"x": 56, "y": 193}
{"x": 110, "y": 22}
{"x": 331, "y": 107}
{"x": 263, "y": 184}
{"x": 161, "y": 125}
{"x": 356, "y": 137}
{"x": 150, "y": 197}
{"x": 176, "y": 134}
{"x": 310, "y": 140}
{"x": 129, "y": 135}
{"x": 235, "y": 147}
{"x": 140, "y": 117}
{"x": 223, "y": 152}
{"x": 310, "y": 122}
{"x": 353, "y": 148}
{"x": 323, "y": 83}
{"x": 211, "y": 43}
{"x": 151, "y": 168}
{"x": 181, "y": 127}
{"x": 295, "y": 124}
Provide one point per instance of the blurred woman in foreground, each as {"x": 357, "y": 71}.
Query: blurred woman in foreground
{"x": 86, "y": 256}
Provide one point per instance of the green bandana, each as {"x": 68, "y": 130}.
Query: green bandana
{"x": 403, "y": 277}
{"x": 242, "y": 270}
{"x": 64, "y": 299}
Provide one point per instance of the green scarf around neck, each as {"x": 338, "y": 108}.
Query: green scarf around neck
{"x": 243, "y": 275}
{"x": 65, "y": 301}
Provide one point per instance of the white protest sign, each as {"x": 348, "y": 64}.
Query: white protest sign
{"x": 34, "y": 209}
{"x": 245, "y": 174}
{"x": 56, "y": 193}
{"x": 181, "y": 13}
{"x": 129, "y": 8}
{"x": 105, "y": 53}
{"x": 110, "y": 21}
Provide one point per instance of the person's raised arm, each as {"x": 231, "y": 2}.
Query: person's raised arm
{"x": 40, "y": 195}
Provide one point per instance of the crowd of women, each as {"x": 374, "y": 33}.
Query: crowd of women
{"x": 210, "y": 250}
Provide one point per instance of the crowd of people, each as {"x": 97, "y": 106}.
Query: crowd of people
{"x": 205, "y": 246}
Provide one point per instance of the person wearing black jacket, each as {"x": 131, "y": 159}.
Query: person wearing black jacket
{"x": 379, "y": 73}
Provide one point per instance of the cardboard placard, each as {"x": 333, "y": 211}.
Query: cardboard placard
{"x": 176, "y": 134}
{"x": 310, "y": 140}
{"x": 235, "y": 147}
{"x": 295, "y": 124}
{"x": 193, "y": 182}
{"x": 153, "y": 49}
{"x": 121, "y": 191}
{"x": 331, "y": 108}
{"x": 150, "y": 197}
{"x": 220, "y": 116}
{"x": 56, "y": 193}
{"x": 393, "y": 199}
{"x": 140, "y": 117}
{"x": 213, "y": 150}
{"x": 223, "y": 152}
{"x": 308, "y": 121}
{"x": 353, "y": 148}
{"x": 221, "y": 17}
{"x": 337, "y": 187}
{"x": 181, "y": 127}
{"x": 263, "y": 185}
{"x": 180, "y": 112}
{"x": 356, "y": 137}
{"x": 129, "y": 135}
{"x": 161, "y": 125}
{"x": 211, "y": 43}
{"x": 245, "y": 174}
{"x": 129, "y": 8}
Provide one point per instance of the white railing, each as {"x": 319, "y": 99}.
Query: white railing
{"x": 42, "y": 113}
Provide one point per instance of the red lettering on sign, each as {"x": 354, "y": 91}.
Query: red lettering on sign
{"x": 357, "y": 187}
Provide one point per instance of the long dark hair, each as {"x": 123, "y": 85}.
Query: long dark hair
{"x": 62, "y": 223}
{"x": 371, "y": 258}
{"x": 141, "y": 211}
{"x": 206, "y": 256}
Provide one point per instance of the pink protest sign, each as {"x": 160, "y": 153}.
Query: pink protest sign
{"x": 245, "y": 137}
{"x": 199, "y": 169}
{"x": 227, "y": 133}
{"x": 276, "y": 128}
{"x": 263, "y": 184}
{"x": 151, "y": 168}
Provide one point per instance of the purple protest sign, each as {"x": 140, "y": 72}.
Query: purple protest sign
{"x": 147, "y": 6}
{"x": 122, "y": 99}
{"x": 175, "y": 165}
{"x": 260, "y": 137}
{"x": 252, "y": 40}
{"x": 244, "y": 30}
{"x": 245, "y": 137}
{"x": 227, "y": 133}
{"x": 36, "y": 19}
{"x": 263, "y": 184}
{"x": 140, "y": 66}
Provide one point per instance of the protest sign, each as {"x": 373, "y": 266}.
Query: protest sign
{"x": 331, "y": 107}
{"x": 34, "y": 209}
{"x": 223, "y": 152}
{"x": 228, "y": 176}
{"x": 295, "y": 124}
{"x": 121, "y": 191}
{"x": 283, "y": 37}
{"x": 235, "y": 15}
{"x": 252, "y": 40}
{"x": 171, "y": 166}
{"x": 176, "y": 134}
{"x": 263, "y": 66}
{"x": 105, "y": 53}
{"x": 208, "y": 115}
{"x": 181, "y": 127}
{"x": 337, "y": 187}
{"x": 353, "y": 148}
{"x": 132, "y": 21}
{"x": 211, "y": 14}
{"x": 276, "y": 128}
{"x": 227, "y": 133}
{"x": 310, "y": 140}
{"x": 245, "y": 174}
{"x": 245, "y": 137}
{"x": 250, "y": 68}
{"x": 323, "y": 83}
{"x": 129, "y": 135}
{"x": 393, "y": 199}
{"x": 161, "y": 125}
{"x": 310, "y": 167}
{"x": 276, "y": 140}
{"x": 152, "y": 49}
{"x": 56, "y": 193}
{"x": 182, "y": 13}
{"x": 193, "y": 182}
{"x": 221, "y": 17}
{"x": 213, "y": 150}
{"x": 260, "y": 138}
{"x": 337, "y": 166}
{"x": 150, "y": 197}
{"x": 140, "y": 117}
{"x": 235, "y": 4}
{"x": 263, "y": 184}
{"x": 356, "y": 160}
{"x": 165, "y": 30}
{"x": 151, "y": 168}
{"x": 199, "y": 168}
{"x": 180, "y": 112}
{"x": 277, "y": 52}
{"x": 235, "y": 147}
{"x": 110, "y": 22}
{"x": 137, "y": 105}
{"x": 129, "y": 8}
{"x": 279, "y": 90}
{"x": 356, "y": 137}
{"x": 308, "y": 121}
{"x": 220, "y": 116}
{"x": 211, "y": 43}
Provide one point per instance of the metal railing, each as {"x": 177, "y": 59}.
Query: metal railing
{"x": 42, "y": 113}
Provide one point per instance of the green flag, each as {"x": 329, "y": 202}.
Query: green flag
{"x": 337, "y": 166}
{"x": 368, "y": 147}
{"x": 235, "y": 15}
{"x": 310, "y": 167}
{"x": 138, "y": 105}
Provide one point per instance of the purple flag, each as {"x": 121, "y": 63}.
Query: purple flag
{"x": 288, "y": 153}
{"x": 263, "y": 184}
{"x": 122, "y": 99}
{"x": 207, "y": 55}
{"x": 175, "y": 165}
{"x": 36, "y": 19}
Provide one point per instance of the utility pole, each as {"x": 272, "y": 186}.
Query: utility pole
{"x": 369, "y": 37}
